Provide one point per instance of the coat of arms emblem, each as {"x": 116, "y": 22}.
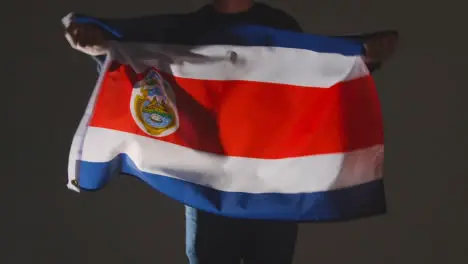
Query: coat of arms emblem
{"x": 153, "y": 105}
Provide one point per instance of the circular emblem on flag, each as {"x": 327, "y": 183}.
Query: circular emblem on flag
{"x": 153, "y": 105}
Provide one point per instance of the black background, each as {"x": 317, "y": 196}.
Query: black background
{"x": 424, "y": 95}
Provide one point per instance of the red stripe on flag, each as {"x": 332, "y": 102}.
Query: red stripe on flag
{"x": 252, "y": 119}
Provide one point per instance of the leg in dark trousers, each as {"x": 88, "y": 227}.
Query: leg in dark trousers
{"x": 213, "y": 239}
{"x": 270, "y": 242}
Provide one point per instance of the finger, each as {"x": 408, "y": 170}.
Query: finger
{"x": 71, "y": 33}
{"x": 71, "y": 40}
{"x": 389, "y": 45}
{"x": 93, "y": 36}
{"x": 72, "y": 28}
{"x": 381, "y": 46}
{"x": 90, "y": 36}
{"x": 79, "y": 36}
{"x": 373, "y": 50}
{"x": 394, "y": 42}
{"x": 98, "y": 37}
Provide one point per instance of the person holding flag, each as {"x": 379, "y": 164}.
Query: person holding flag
{"x": 211, "y": 238}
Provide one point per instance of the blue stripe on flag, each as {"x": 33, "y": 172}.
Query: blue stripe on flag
{"x": 248, "y": 35}
{"x": 241, "y": 35}
{"x": 344, "y": 204}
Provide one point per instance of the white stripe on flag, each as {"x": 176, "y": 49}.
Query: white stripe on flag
{"x": 76, "y": 149}
{"x": 236, "y": 174}
{"x": 223, "y": 62}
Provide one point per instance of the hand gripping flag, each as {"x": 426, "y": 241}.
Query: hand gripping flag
{"x": 244, "y": 121}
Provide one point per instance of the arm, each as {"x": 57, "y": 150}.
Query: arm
{"x": 127, "y": 29}
{"x": 90, "y": 34}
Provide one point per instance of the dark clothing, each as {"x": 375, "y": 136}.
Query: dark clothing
{"x": 182, "y": 28}
{"x": 212, "y": 239}
{"x": 187, "y": 27}
{"x": 259, "y": 14}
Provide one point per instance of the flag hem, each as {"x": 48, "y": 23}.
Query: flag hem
{"x": 79, "y": 137}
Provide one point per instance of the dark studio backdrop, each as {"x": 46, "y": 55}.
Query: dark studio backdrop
{"x": 423, "y": 90}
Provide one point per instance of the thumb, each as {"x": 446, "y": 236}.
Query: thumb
{"x": 71, "y": 33}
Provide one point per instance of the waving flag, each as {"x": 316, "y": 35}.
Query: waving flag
{"x": 246, "y": 121}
